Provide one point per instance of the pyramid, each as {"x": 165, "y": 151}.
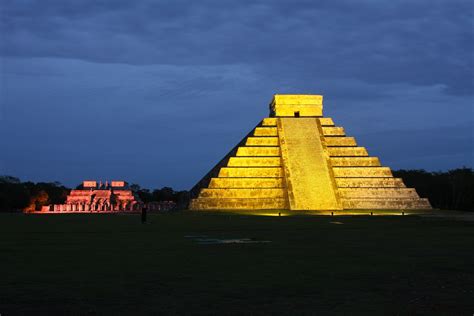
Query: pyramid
{"x": 298, "y": 160}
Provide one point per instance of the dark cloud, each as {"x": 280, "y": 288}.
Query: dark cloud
{"x": 191, "y": 69}
{"x": 422, "y": 42}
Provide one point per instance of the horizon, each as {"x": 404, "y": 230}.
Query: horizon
{"x": 158, "y": 188}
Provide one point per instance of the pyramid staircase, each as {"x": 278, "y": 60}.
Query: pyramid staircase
{"x": 299, "y": 160}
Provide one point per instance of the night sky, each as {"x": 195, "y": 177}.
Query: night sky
{"x": 156, "y": 92}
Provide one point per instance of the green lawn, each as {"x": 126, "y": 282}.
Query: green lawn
{"x": 112, "y": 264}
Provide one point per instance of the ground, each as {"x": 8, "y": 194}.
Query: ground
{"x": 113, "y": 264}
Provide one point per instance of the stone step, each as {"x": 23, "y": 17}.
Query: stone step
{"x": 243, "y": 193}
{"x": 262, "y": 141}
{"x": 347, "y": 151}
{"x": 264, "y": 172}
{"x": 254, "y": 162}
{"x": 326, "y": 121}
{"x": 333, "y": 131}
{"x": 362, "y": 172}
{"x": 355, "y": 162}
{"x": 306, "y": 165}
{"x": 338, "y": 141}
{"x": 369, "y": 183}
{"x": 377, "y": 193}
{"x": 269, "y": 121}
{"x": 238, "y": 204}
{"x": 265, "y": 131}
{"x": 254, "y": 151}
{"x": 385, "y": 204}
{"x": 246, "y": 183}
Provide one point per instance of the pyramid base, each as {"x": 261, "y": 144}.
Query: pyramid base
{"x": 238, "y": 204}
{"x": 285, "y": 212}
{"x": 282, "y": 205}
{"x": 386, "y": 204}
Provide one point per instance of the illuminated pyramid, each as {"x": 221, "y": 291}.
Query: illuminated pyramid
{"x": 296, "y": 159}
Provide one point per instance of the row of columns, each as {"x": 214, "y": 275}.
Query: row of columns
{"x": 134, "y": 206}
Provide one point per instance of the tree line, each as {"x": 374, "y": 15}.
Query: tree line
{"x": 17, "y": 196}
{"x": 181, "y": 198}
{"x": 450, "y": 190}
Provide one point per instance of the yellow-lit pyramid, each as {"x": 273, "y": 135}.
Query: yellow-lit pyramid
{"x": 296, "y": 159}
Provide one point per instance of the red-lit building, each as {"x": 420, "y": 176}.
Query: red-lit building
{"x": 114, "y": 196}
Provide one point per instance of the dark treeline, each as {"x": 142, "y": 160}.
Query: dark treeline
{"x": 17, "y": 196}
{"x": 451, "y": 190}
{"x": 181, "y": 198}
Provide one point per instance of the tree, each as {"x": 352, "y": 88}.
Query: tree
{"x": 9, "y": 179}
{"x": 135, "y": 187}
{"x": 14, "y": 196}
{"x": 164, "y": 194}
{"x": 145, "y": 195}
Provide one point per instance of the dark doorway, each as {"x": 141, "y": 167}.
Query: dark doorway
{"x": 297, "y": 114}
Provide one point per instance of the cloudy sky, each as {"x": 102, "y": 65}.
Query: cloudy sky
{"x": 156, "y": 92}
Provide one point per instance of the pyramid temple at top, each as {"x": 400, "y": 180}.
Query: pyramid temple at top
{"x": 297, "y": 159}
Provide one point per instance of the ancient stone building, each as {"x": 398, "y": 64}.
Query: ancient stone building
{"x": 297, "y": 159}
{"x": 114, "y": 196}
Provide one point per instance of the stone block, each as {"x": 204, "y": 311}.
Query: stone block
{"x": 377, "y": 193}
{"x": 265, "y": 172}
{"x": 326, "y": 121}
{"x": 265, "y": 131}
{"x": 338, "y": 141}
{"x": 362, "y": 172}
{"x": 297, "y": 99}
{"x": 254, "y": 162}
{"x": 255, "y": 151}
{"x": 254, "y": 193}
{"x": 269, "y": 121}
{"x": 239, "y": 204}
{"x": 333, "y": 131}
{"x": 262, "y": 141}
{"x": 246, "y": 183}
{"x": 369, "y": 183}
{"x": 355, "y": 161}
{"x": 386, "y": 204}
{"x": 347, "y": 151}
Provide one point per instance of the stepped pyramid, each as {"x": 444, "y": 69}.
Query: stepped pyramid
{"x": 296, "y": 159}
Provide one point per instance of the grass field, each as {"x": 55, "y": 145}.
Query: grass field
{"x": 112, "y": 264}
